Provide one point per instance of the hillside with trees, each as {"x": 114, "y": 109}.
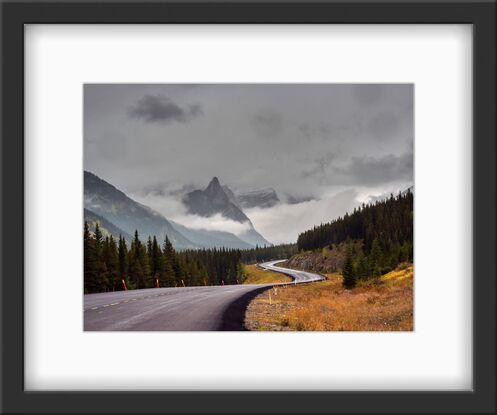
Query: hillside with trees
{"x": 367, "y": 243}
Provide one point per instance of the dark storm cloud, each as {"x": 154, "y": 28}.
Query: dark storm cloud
{"x": 161, "y": 109}
{"x": 267, "y": 123}
{"x": 376, "y": 170}
{"x": 364, "y": 170}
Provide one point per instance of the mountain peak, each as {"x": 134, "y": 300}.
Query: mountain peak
{"x": 217, "y": 199}
{"x": 213, "y": 200}
{"x": 214, "y": 183}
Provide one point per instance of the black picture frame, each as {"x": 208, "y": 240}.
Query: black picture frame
{"x": 480, "y": 14}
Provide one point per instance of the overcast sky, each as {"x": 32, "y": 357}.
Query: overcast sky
{"x": 333, "y": 145}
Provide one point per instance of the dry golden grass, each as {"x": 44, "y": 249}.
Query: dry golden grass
{"x": 257, "y": 275}
{"x": 383, "y": 305}
{"x": 404, "y": 271}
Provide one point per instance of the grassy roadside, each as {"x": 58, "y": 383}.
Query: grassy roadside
{"x": 384, "y": 305}
{"x": 257, "y": 275}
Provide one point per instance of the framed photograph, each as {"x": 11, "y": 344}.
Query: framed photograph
{"x": 176, "y": 252}
{"x": 248, "y": 207}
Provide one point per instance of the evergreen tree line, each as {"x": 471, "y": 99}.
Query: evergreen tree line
{"x": 389, "y": 220}
{"x": 385, "y": 229}
{"x": 267, "y": 253}
{"x": 109, "y": 265}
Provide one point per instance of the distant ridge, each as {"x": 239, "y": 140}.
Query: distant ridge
{"x": 211, "y": 238}
{"x": 108, "y": 202}
{"x": 118, "y": 214}
{"x": 263, "y": 198}
{"x": 107, "y": 227}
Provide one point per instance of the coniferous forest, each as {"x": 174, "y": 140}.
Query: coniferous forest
{"x": 268, "y": 253}
{"x": 111, "y": 265}
{"x": 384, "y": 228}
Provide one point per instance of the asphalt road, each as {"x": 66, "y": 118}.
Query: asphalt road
{"x": 297, "y": 276}
{"x": 180, "y": 309}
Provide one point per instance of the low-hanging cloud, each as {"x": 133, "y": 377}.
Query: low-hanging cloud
{"x": 283, "y": 223}
{"x": 168, "y": 203}
{"x": 216, "y": 222}
{"x": 161, "y": 109}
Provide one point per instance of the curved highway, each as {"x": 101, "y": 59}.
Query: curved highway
{"x": 297, "y": 276}
{"x": 180, "y": 309}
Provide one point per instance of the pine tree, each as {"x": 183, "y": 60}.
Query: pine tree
{"x": 89, "y": 263}
{"x": 169, "y": 261}
{"x": 123, "y": 262}
{"x": 349, "y": 277}
{"x": 362, "y": 270}
{"x": 102, "y": 281}
{"x": 112, "y": 262}
{"x": 104, "y": 277}
{"x": 376, "y": 259}
{"x": 98, "y": 241}
{"x": 145, "y": 278}
{"x": 136, "y": 271}
{"x": 155, "y": 262}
